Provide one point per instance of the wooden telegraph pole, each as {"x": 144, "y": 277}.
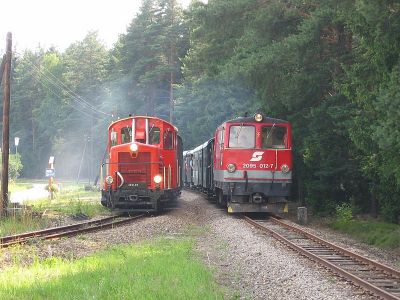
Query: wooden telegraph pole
{"x": 6, "y": 126}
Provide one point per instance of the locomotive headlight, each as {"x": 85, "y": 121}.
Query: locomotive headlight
{"x": 134, "y": 147}
{"x": 157, "y": 179}
{"x": 285, "y": 168}
{"x": 231, "y": 168}
{"x": 258, "y": 117}
{"x": 109, "y": 179}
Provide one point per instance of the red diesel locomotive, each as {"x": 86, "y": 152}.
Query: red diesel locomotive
{"x": 251, "y": 159}
{"x": 144, "y": 165}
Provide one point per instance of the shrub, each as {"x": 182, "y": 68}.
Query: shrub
{"x": 391, "y": 210}
{"x": 15, "y": 166}
{"x": 344, "y": 212}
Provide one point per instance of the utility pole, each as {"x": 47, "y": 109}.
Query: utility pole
{"x": 6, "y": 127}
{"x": 91, "y": 149}
{"x": 171, "y": 97}
{"x": 83, "y": 155}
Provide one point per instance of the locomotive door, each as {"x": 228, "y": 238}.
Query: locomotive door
{"x": 219, "y": 148}
{"x": 169, "y": 144}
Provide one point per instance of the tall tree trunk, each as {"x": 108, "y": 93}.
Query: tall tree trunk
{"x": 152, "y": 100}
{"x": 171, "y": 65}
{"x": 374, "y": 203}
{"x": 33, "y": 131}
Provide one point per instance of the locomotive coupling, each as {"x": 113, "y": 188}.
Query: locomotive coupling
{"x": 256, "y": 198}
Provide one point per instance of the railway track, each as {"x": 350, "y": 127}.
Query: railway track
{"x": 377, "y": 278}
{"x": 64, "y": 231}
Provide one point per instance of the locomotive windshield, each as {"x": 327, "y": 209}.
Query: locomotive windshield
{"x": 242, "y": 136}
{"x": 126, "y": 135}
{"x": 154, "y": 135}
{"x": 274, "y": 137}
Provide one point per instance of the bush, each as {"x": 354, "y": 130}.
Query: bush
{"x": 391, "y": 211}
{"x": 52, "y": 188}
{"x": 15, "y": 166}
{"x": 344, "y": 213}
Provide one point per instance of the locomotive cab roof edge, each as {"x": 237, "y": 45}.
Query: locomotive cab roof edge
{"x": 146, "y": 117}
{"x": 251, "y": 120}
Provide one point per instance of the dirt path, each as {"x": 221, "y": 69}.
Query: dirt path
{"x": 38, "y": 191}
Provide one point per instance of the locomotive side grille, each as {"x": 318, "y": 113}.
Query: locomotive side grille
{"x": 135, "y": 169}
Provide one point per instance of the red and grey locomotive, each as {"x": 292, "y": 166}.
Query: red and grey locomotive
{"x": 144, "y": 165}
{"x": 247, "y": 165}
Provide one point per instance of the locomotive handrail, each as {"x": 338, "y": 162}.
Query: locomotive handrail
{"x": 122, "y": 179}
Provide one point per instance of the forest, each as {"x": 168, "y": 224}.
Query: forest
{"x": 329, "y": 67}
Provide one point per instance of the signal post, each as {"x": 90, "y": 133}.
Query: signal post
{"x": 50, "y": 173}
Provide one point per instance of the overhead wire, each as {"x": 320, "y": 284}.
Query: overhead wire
{"x": 73, "y": 95}
{"x": 46, "y": 79}
{"x": 58, "y": 95}
{"x": 91, "y": 106}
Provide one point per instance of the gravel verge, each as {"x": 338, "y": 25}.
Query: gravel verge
{"x": 253, "y": 265}
{"x": 246, "y": 263}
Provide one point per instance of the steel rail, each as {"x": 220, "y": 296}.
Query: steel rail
{"x": 355, "y": 279}
{"x": 68, "y": 230}
{"x": 340, "y": 249}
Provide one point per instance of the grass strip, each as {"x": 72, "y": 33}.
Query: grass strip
{"x": 384, "y": 235}
{"x": 16, "y": 224}
{"x": 72, "y": 200}
{"x": 157, "y": 269}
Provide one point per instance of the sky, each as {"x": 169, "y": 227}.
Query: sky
{"x": 60, "y": 23}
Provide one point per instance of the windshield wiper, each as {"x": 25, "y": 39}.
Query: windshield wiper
{"x": 270, "y": 132}
{"x": 238, "y": 132}
{"x": 152, "y": 126}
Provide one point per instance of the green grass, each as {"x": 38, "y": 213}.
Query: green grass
{"x": 158, "y": 269}
{"x": 70, "y": 200}
{"x": 18, "y": 186}
{"x": 16, "y": 224}
{"x": 384, "y": 235}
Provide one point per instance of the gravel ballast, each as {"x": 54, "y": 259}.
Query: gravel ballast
{"x": 246, "y": 263}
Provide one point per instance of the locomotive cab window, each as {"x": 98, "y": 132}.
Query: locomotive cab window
{"x": 126, "y": 135}
{"x": 114, "y": 138}
{"x": 221, "y": 138}
{"x": 274, "y": 137}
{"x": 154, "y": 135}
{"x": 168, "y": 140}
{"x": 241, "y": 136}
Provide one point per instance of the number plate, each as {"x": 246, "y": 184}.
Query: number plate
{"x": 135, "y": 186}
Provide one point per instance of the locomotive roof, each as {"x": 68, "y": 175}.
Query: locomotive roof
{"x": 145, "y": 117}
{"x": 204, "y": 145}
{"x": 251, "y": 120}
